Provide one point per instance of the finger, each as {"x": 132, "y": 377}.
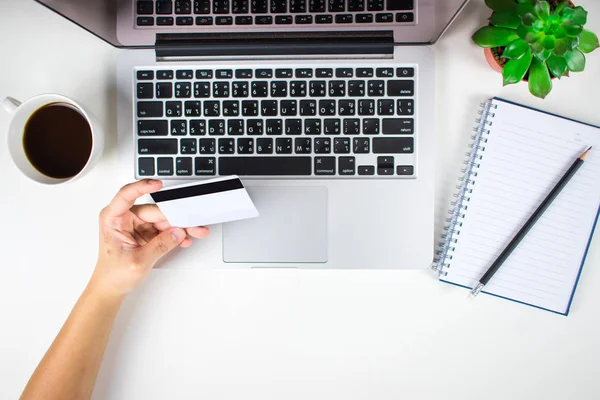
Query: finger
{"x": 148, "y": 213}
{"x": 198, "y": 232}
{"x": 187, "y": 242}
{"x": 162, "y": 245}
{"x": 146, "y": 231}
{"x": 128, "y": 194}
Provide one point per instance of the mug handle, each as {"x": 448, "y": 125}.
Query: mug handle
{"x": 10, "y": 105}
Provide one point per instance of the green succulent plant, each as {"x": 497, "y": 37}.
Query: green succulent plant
{"x": 539, "y": 39}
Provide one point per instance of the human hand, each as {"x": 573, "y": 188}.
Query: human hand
{"x": 133, "y": 238}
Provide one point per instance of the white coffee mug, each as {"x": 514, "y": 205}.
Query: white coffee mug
{"x": 21, "y": 112}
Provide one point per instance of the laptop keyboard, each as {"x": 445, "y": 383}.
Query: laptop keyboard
{"x": 307, "y": 122}
{"x": 185, "y": 13}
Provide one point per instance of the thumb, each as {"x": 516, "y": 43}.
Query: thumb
{"x": 162, "y": 244}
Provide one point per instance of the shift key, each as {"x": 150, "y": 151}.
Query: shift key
{"x": 397, "y": 145}
{"x": 149, "y": 109}
{"x": 157, "y": 146}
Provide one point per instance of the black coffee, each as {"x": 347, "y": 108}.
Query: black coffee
{"x": 58, "y": 140}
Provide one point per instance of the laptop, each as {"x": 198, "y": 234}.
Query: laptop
{"x": 324, "y": 108}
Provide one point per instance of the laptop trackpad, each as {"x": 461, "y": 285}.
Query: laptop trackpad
{"x": 291, "y": 228}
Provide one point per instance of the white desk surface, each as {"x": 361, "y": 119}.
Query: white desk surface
{"x": 277, "y": 334}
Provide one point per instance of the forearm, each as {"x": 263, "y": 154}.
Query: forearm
{"x": 69, "y": 368}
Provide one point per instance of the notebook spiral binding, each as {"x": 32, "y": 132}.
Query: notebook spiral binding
{"x": 451, "y": 231}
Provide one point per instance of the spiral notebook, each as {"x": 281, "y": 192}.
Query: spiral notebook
{"x": 518, "y": 155}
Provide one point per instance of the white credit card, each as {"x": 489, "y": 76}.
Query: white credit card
{"x": 208, "y": 202}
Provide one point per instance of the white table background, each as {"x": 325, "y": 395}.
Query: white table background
{"x": 277, "y": 334}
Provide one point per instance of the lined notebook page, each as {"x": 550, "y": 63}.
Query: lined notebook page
{"x": 526, "y": 155}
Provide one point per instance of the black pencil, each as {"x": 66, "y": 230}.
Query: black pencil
{"x": 530, "y": 223}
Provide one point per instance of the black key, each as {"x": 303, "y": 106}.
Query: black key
{"x": 303, "y": 146}
{"x": 249, "y": 108}
{"x": 164, "y": 21}
{"x": 220, "y": 89}
{"x": 220, "y": 7}
{"x": 322, "y": 145}
{"x": 347, "y": 165}
{"x": 173, "y": 109}
{"x": 385, "y": 72}
{"x": 212, "y": 109}
{"x": 264, "y": 146}
{"x": 157, "y": 146}
{"x": 361, "y": 145}
{"x": 239, "y": 89}
{"x": 274, "y": 126}
{"x": 164, "y": 75}
{"x": 346, "y": 107}
{"x": 385, "y": 107}
{"x": 327, "y": 107}
{"x": 235, "y": 127}
{"x": 284, "y": 73}
{"x": 145, "y": 7}
{"x": 366, "y": 170}
{"x": 146, "y": 166}
{"x": 202, "y": 7}
{"x": 178, "y": 127}
{"x": 324, "y": 165}
{"x": 260, "y": 6}
{"x": 318, "y": 89}
{"x": 192, "y": 109}
{"x": 288, "y": 108}
{"x": 268, "y": 166}
{"x": 197, "y": 127}
{"x": 216, "y": 127}
{"x": 375, "y": 5}
{"x": 385, "y": 162}
{"x": 388, "y": 145}
{"x": 364, "y": 73}
{"x": 398, "y": 126}
{"x": 255, "y": 127}
{"x": 279, "y": 89}
{"x": 356, "y": 88}
{"x": 297, "y": 6}
{"x": 344, "y": 72}
{"x": 145, "y": 90}
{"x": 324, "y": 19}
{"x": 385, "y": 171}
{"x": 245, "y": 146}
{"x": 405, "y": 170}
{"x": 263, "y": 20}
{"x": 405, "y": 17}
{"x": 316, "y": 5}
{"x": 278, "y": 6}
{"x": 145, "y": 75}
{"x": 283, "y": 146}
{"x": 298, "y": 88}
{"x": 405, "y": 72}
{"x": 240, "y": 7}
{"x": 201, "y": 89}
{"x": 304, "y": 19}
{"x": 293, "y": 126}
{"x": 149, "y": 109}
{"x": 376, "y": 88}
{"x": 324, "y": 73}
{"x": 401, "y": 88}
{"x": 164, "y": 7}
{"x": 164, "y": 90}
{"x": 183, "y": 7}
{"x": 366, "y": 107}
{"x": 264, "y": 73}
{"x": 204, "y": 20}
{"x": 205, "y": 166}
{"x": 337, "y": 88}
{"x": 226, "y": 146}
{"x": 356, "y": 5}
{"x": 400, "y": 4}
{"x": 183, "y": 166}
{"x": 183, "y": 90}
{"x": 223, "y": 74}
{"x": 145, "y": 21}
{"x": 188, "y": 146}
{"x": 243, "y": 73}
{"x": 231, "y": 108}
{"x": 260, "y": 89}
{"x": 204, "y": 74}
{"x": 341, "y": 146}
{"x": 343, "y": 19}
{"x": 184, "y": 74}
{"x": 405, "y": 107}
{"x": 208, "y": 146}
{"x": 370, "y": 126}
{"x": 268, "y": 108}
{"x": 284, "y": 19}
{"x": 364, "y": 19}
{"x": 224, "y": 21}
{"x": 165, "y": 166}
{"x": 308, "y": 107}
{"x": 384, "y": 17}
{"x": 185, "y": 21}
{"x": 337, "y": 5}
{"x": 312, "y": 126}
{"x": 351, "y": 126}
{"x": 332, "y": 126}
{"x": 153, "y": 128}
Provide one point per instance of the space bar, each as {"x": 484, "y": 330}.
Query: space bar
{"x": 265, "y": 166}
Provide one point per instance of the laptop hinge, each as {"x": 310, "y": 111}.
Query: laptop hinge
{"x": 276, "y": 45}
